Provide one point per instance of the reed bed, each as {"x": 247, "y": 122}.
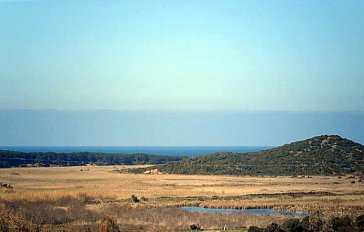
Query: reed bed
{"x": 53, "y": 198}
{"x": 176, "y": 219}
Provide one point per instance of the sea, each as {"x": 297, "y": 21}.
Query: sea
{"x": 190, "y": 151}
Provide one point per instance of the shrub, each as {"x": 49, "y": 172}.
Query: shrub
{"x": 360, "y": 222}
{"x": 4, "y": 185}
{"x": 255, "y": 229}
{"x": 108, "y": 225}
{"x": 134, "y": 198}
{"x": 61, "y": 211}
{"x": 293, "y": 225}
{"x": 195, "y": 227}
{"x": 316, "y": 222}
{"x": 11, "y": 221}
{"x": 305, "y": 223}
{"x": 274, "y": 227}
{"x": 344, "y": 224}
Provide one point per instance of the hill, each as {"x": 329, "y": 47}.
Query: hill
{"x": 326, "y": 155}
{"x": 21, "y": 159}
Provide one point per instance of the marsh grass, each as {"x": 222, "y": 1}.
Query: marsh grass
{"x": 64, "y": 210}
{"x": 102, "y": 182}
{"x": 65, "y": 198}
{"x": 176, "y": 219}
{"x": 73, "y": 214}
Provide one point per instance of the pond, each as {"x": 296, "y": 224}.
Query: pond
{"x": 240, "y": 211}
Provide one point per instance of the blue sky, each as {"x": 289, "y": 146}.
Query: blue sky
{"x": 182, "y": 56}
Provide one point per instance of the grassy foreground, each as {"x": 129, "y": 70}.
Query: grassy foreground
{"x": 79, "y": 198}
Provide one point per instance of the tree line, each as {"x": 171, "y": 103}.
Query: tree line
{"x": 23, "y": 159}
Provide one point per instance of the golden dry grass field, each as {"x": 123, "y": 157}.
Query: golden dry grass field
{"x": 106, "y": 182}
{"x": 108, "y": 187}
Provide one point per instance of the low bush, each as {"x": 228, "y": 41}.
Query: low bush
{"x": 109, "y": 225}
{"x": 315, "y": 224}
{"x": 344, "y": 224}
{"x": 22, "y": 215}
{"x": 359, "y": 223}
{"x": 274, "y": 227}
{"x": 294, "y": 225}
{"x": 10, "y": 221}
{"x": 255, "y": 229}
{"x": 134, "y": 199}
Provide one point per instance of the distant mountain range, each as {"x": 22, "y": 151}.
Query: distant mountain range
{"x": 326, "y": 155}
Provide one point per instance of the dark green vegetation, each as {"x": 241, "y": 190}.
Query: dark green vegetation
{"x": 321, "y": 155}
{"x": 315, "y": 224}
{"x": 19, "y": 159}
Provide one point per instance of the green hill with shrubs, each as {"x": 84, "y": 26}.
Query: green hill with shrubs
{"x": 321, "y": 155}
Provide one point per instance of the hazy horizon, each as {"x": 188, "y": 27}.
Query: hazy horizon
{"x": 154, "y": 128}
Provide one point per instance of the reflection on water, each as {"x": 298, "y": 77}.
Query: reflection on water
{"x": 240, "y": 211}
